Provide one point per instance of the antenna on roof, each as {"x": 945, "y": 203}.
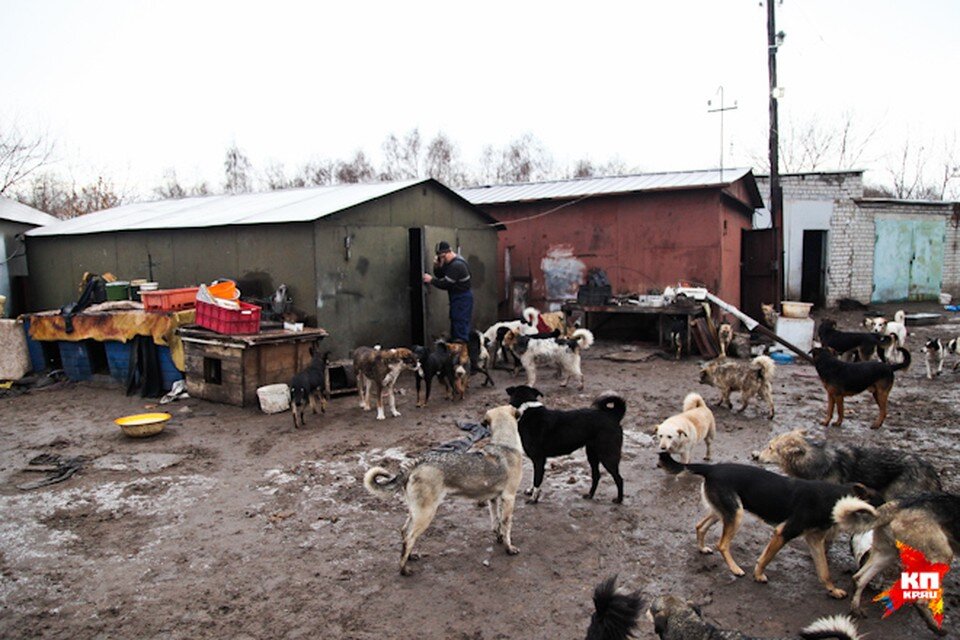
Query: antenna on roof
{"x": 720, "y": 110}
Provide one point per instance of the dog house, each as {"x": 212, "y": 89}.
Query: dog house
{"x": 230, "y": 368}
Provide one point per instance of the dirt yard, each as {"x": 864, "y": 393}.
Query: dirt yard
{"x": 232, "y": 524}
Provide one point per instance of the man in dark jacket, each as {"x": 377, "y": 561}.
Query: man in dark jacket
{"x": 451, "y": 273}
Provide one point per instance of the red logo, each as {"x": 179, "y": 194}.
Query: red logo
{"x": 920, "y": 580}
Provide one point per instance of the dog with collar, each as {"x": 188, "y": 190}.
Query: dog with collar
{"x": 548, "y": 433}
{"x": 491, "y": 475}
{"x": 377, "y": 370}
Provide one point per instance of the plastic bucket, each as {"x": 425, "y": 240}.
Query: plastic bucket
{"x": 119, "y": 290}
{"x": 274, "y": 398}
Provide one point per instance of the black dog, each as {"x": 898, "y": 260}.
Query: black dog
{"x": 795, "y": 507}
{"x": 309, "y": 385}
{"x": 843, "y": 379}
{"x": 862, "y": 344}
{"x": 436, "y": 363}
{"x": 616, "y": 613}
{"x": 547, "y": 433}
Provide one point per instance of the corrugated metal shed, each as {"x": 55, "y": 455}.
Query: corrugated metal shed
{"x": 15, "y": 212}
{"x": 291, "y": 205}
{"x": 580, "y": 187}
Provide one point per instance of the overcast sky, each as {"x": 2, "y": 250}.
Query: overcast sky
{"x": 130, "y": 87}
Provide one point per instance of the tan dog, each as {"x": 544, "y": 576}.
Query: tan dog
{"x": 724, "y": 337}
{"x": 379, "y": 369}
{"x": 491, "y": 475}
{"x": 749, "y": 378}
{"x": 545, "y": 322}
{"x": 770, "y": 316}
{"x": 680, "y": 433}
{"x": 461, "y": 370}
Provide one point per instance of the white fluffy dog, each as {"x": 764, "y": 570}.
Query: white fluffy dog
{"x": 680, "y": 433}
{"x": 563, "y": 352}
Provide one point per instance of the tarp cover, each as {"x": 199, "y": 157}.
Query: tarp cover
{"x": 115, "y": 325}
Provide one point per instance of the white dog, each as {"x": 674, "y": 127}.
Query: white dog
{"x": 564, "y": 352}
{"x": 680, "y": 433}
{"x": 895, "y": 327}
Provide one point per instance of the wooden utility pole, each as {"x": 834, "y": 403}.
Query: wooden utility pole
{"x": 776, "y": 194}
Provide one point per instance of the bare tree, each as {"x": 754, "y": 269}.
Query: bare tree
{"x": 54, "y": 195}
{"x": 20, "y": 156}
{"x": 236, "y": 167}
{"x": 96, "y": 196}
{"x": 170, "y": 188}
{"x": 813, "y": 144}
{"x": 316, "y": 173}
{"x": 523, "y": 160}
{"x": 275, "y": 178}
{"x": 357, "y": 169}
{"x": 442, "y": 162}
{"x": 47, "y": 192}
{"x": 401, "y": 158}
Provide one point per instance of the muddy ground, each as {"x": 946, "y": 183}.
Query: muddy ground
{"x": 232, "y": 524}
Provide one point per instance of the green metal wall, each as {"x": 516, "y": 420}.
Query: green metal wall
{"x": 360, "y": 298}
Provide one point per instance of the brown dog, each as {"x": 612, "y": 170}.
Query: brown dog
{"x": 843, "y": 379}
{"x": 380, "y": 368}
{"x": 461, "y": 370}
{"x": 749, "y": 378}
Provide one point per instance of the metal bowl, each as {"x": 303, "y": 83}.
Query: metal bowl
{"x": 143, "y": 425}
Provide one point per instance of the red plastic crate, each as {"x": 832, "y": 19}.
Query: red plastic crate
{"x": 169, "y": 299}
{"x": 228, "y": 321}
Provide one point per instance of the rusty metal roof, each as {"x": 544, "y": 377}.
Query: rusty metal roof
{"x": 15, "y": 212}
{"x": 582, "y": 187}
{"x": 290, "y": 205}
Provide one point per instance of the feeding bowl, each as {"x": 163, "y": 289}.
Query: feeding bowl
{"x": 143, "y": 425}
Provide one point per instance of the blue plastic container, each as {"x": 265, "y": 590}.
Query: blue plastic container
{"x": 168, "y": 372}
{"x": 76, "y": 360}
{"x": 118, "y": 359}
{"x": 782, "y": 357}
{"x": 37, "y": 360}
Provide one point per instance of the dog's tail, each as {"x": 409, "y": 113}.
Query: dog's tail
{"x": 615, "y": 617}
{"x": 673, "y": 467}
{"x": 530, "y": 315}
{"x": 858, "y": 516}
{"x": 380, "y": 482}
{"x": 766, "y": 367}
{"x": 584, "y": 337}
{"x": 899, "y": 316}
{"x": 612, "y": 403}
{"x": 692, "y": 401}
{"x": 837, "y": 627}
{"x": 905, "y": 355}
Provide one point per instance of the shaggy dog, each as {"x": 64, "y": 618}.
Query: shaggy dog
{"x": 794, "y": 507}
{"x": 724, "y": 337}
{"x": 545, "y": 322}
{"x": 564, "y": 352}
{"x": 842, "y": 379}
{"x": 547, "y": 433}
{"x": 378, "y": 369}
{"x": 682, "y": 432}
{"x": 850, "y": 344}
{"x": 933, "y": 350}
{"x": 749, "y": 378}
{"x": 675, "y": 619}
{"x": 491, "y": 474}
{"x": 309, "y": 385}
{"x": 615, "y": 613}
{"x": 929, "y": 523}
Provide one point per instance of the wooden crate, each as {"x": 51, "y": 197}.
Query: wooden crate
{"x": 230, "y": 369}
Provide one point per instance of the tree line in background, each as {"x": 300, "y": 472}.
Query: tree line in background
{"x": 917, "y": 172}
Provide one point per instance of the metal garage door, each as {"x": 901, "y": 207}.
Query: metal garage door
{"x": 908, "y": 258}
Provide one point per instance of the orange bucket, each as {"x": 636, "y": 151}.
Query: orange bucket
{"x": 226, "y": 289}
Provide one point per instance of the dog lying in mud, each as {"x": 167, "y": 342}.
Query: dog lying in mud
{"x": 547, "y": 433}
{"x": 929, "y": 523}
{"x": 749, "y": 378}
{"x": 843, "y": 379}
{"x": 491, "y": 474}
{"x": 794, "y": 507}
{"x": 675, "y": 619}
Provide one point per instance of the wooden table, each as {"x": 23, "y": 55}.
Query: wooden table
{"x": 230, "y": 368}
{"x": 603, "y": 313}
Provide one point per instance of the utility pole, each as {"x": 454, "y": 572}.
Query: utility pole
{"x": 720, "y": 110}
{"x": 776, "y": 194}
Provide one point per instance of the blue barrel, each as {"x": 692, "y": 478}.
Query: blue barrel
{"x": 168, "y": 371}
{"x": 118, "y": 358}
{"x": 76, "y": 360}
{"x": 37, "y": 361}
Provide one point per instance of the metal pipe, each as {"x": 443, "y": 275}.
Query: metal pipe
{"x": 752, "y": 325}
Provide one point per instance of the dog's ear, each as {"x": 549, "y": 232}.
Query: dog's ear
{"x": 682, "y": 435}
{"x": 510, "y": 390}
{"x": 862, "y": 491}
{"x": 538, "y": 392}
{"x": 652, "y": 430}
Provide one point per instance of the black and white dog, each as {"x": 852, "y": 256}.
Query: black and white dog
{"x": 563, "y": 352}
{"x": 309, "y": 385}
{"x": 547, "y": 433}
{"x": 934, "y": 351}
